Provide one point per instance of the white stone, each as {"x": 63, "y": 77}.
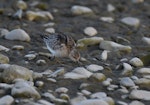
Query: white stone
{"x": 40, "y": 62}
{"x": 58, "y": 72}
{"x": 39, "y": 83}
{"x": 78, "y": 10}
{"x": 24, "y": 89}
{"x": 3, "y": 32}
{"x": 144, "y": 71}
{"x": 99, "y": 95}
{"x": 61, "y": 90}
{"x": 30, "y": 56}
{"x": 18, "y": 14}
{"x": 127, "y": 69}
{"x": 6, "y": 100}
{"x": 94, "y": 67}
{"x": 140, "y": 95}
{"x": 18, "y": 47}
{"x": 107, "y": 82}
{"x": 2, "y": 48}
{"x": 131, "y": 21}
{"x": 121, "y": 103}
{"x": 45, "y": 15}
{"x": 86, "y": 93}
{"x": 50, "y": 96}
{"x": 6, "y": 86}
{"x": 127, "y": 82}
{"x": 136, "y": 62}
{"x": 90, "y": 31}
{"x": 113, "y": 46}
{"x": 12, "y": 72}
{"x": 17, "y": 34}
{"x": 146, "y": 40}
{"x": 89, "y": 41}
{"x": 78, "y": 73}
{"x": 50, "y": 30}
{"x": 21, "y": 4}
{"x": 137, "y": 1}
{"x": 110, "y": 8}
{"x": 98, "y": 77}
{"x": 44, "y": 102}
{"x": 142, "y": 81}
{"x": 51, "y": 24}
{"x": 136, "y": 103}
{"x": 107, "y": 19}
{"x": 104, "y": 55}
{"x": 92, "y": 102}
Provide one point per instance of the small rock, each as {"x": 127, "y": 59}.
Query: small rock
{"x": 107, "y": 82}
{"x": 17, "y": 34}
{"x": 98, "y": 77}
{"x": 107, "y": 19}
{"x": 24, "y": 89}
{"x": 60, "y": 101}
{"x": 58, "y": 72}
{"x": 104, "y": 55}
{"x": 18, "y": 47}
{"x": 21, "y": 4}
{"x": 144, "y": 71}
{"x": 90, "y": 31}
{"x": 6, "y": 100}
{"x": 3, "y": 59}
{"x": 39, "y": 83}
{"x": 41, "y": 62}
{"x": 77, "y": 99}
{"x": 121, "y": 103}
{"x": 5, "y": 86}
{"x": 127, "y": 82}
{"x": 50, "y": 96}
{"x": 79, "y": 10}
{"x": 2, "y": 48}
{"x": 18, "y": 14}
{"x": 143, "y": 81}
{"x": 137, "y": 1}
{"x": 127, "y": 69}
{"x": 12, "y": 72}
{"x": 86, "y": 93}
{"x": 52, "y": 80}
{"x": 89, "y": 41}
{"x": 110, "y": 8}
{"x": 64, "y": 97}
{"x": 136, "y": 103}
{"x": 61, "y": 90}
{"x": 131, "y": 21}
{"x": 44, "y": 102}
{"x": 136, "y": 62}
{"x": 140, "y": 95}
{"x": 44, "y": 15}
{"x": 92, "y": 102}
{"x": 51, "y": 24}
{"x": 78, "y": 73}
{"x": 146, "y": 40}
{"x": 36, "y": 75}
{"x": 30, "y": 56}
{"x": 94, "y": 67}
{"x": 3, "y": 32}
{"x": 99, "y": 95}
{"x": 112, "y": 46}
{"x": 50, "y": 30}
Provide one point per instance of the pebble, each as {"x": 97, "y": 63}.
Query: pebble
{"x": 127, "y": 69}
{"x": 52, "y": 80}
{"x": 84, "y": 42}
{"x": 107, "y": 19}
{"x": 6, "y": 100}
{"x": 144, "y": 70}
{"x": 136, "y": 103}
{"x": 43, "y": 102}
{"x": 121, "y": 103}
{"x": 24, "y": 89}
{"x": 140, "y": 95}
{"x": 79, "y": 10}
{"x": 113, "y": 46}
{"x": 18, "y": 14}
{"x": 131, "y": 21}
{"x": 90, "y": 31}
{"x": 41, "y": 62}
{"x": 99, "y": 95}
{"x": 64, "y": 97}
{"x": 86, "y": 93}
{"x": 30, "y": 56}
{"x": 104, "y": 55}
{"x": 44, "y": 15}
{"x": 107, "y": 82}
{"x": 18, "y": 47}
{"x": 78, "y": 73}
{"x": 3, "y": 48}
{"x": 50, "y": 30}
{"x": 137, "y": 1}
{"x": 110, "y": 8}
{"x": 3, "y": 59}
{"x": 51, "y": 24}
{"x": 17, "y": 34}
{"x": 39, "y": 83}
{"x": 143, "y": 81}
{"x": 94, "y": 68}
{"x": 3, "y": 32}
{"x": 136, "y": 62}
{"x": 49, "y": 96}
{"x": 146, "y": 40}
{"x": 21, "y": 4}
{"x": 5, "y": 86}
{"x": 99, "y": 77}
{"x": 13, "y": 72}
{"x": 92, "y": 102}
{"x": 60, "y": 71}
{"x": 127, "y": 82}
{"x": 61, "y": 90}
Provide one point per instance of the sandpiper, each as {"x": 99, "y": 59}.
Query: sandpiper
{"x": 61, "y": 45}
